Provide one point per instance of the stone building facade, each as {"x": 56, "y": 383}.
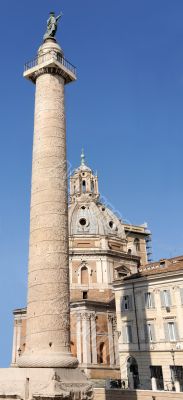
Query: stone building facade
{"x": 99, "y": 245}
{"x": 149, "y": 308}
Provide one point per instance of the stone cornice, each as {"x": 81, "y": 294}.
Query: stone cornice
{"x": 104, "y": 252}
{"x": 49, "y": 70}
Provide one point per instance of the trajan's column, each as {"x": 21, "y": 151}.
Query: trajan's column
{"x": 47, "y": 368}
{"x": 47, "y": 337}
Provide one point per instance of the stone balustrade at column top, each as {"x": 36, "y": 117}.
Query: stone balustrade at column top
{"x": 50, "y": 58}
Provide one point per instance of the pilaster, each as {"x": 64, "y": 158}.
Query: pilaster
{"x": 86, "y": 338}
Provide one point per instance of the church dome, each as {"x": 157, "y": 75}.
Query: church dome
{"x": 93, "y": 218}
{"x": 87, "y": 215}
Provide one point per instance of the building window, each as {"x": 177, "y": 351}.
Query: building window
{"x": 157, "y": 373}
{"x": 137, "y": 244}
{"x": 149, "y": 300}
{"x": 85, "y": 295}
{"x": 126, "y": 303}
{"x": 92, "y": 186}
{"x": 127, "y": 334}
{"x": 83, "y": 186}
{"x": 84, "y": 276}
{"x": 177, "y": 375}
{"x": 165, "y": 298}
{"x": 171, "y": 331}
{"x": 82, "y": 221}
{"x": 150, "y": 335}
{"x": 149, "y": 332}
{"x": 102, "y": 354}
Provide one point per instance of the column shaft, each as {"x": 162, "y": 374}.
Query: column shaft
{"x": 86, "y": 339}
{"x": 78, "y": 336}
{"x": 94, "y": 339}
{"x": 48, "y": 321}
{"x": 111, "y": 340}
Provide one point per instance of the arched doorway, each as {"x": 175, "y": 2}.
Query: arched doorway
{"x": 132, "y": 373}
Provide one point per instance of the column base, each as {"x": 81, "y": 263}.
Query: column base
{"x": 51, "y": 360}
{"x": 44, "y": 383}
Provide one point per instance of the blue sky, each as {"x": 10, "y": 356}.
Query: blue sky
{"x": 126, "y": 109}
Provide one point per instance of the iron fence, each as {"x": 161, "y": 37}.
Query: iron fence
{"x": 48, "y": 56}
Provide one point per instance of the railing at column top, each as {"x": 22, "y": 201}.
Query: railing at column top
{"x": 48, "y": 56}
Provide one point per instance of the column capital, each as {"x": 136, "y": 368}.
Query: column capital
{"x": 86, "y": 316}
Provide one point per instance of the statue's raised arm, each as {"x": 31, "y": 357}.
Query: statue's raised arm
{"x": 59, "y": 16}
{"x": 52, "y": 24}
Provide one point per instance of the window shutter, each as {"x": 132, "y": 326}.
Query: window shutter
{"x": 167, "y": 339}
{"x": 176, "y": 331}
{"x": 124, "y": 334}
{"x": 153, "y": 333}
{"x": 169, "y": 298}
{"x": 152, "y": 300}
{"x": 146, "y": 336}
{"x": 162, "y": 299}
{"x": 181, "y": 295}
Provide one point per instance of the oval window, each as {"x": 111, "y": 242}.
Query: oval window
{"x": 82, "y": 221}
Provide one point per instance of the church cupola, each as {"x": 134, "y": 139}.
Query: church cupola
{"x": 83, "y": 183}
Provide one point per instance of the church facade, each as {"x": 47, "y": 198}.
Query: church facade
{"x": 100, "y": 245}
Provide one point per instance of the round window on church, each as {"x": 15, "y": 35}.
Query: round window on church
{"x": 82, "y": 221}
{"x": 111, "y": 223}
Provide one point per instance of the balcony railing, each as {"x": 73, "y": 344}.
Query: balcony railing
{"x": 40, "y": 59}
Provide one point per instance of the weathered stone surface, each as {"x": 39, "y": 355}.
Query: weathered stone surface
{"x": 33, "y": 383}
{"x": 48, "y": 319}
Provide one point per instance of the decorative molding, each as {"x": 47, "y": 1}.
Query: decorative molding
{"x": 86, "y": 316}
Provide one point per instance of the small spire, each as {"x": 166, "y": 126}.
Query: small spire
{"x": 82, "y": 157}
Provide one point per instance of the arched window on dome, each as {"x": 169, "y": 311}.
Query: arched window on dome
{"x": 137, "y": 244}
{"x": 84, "y": 276}
{"x": 83, "y": 186}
